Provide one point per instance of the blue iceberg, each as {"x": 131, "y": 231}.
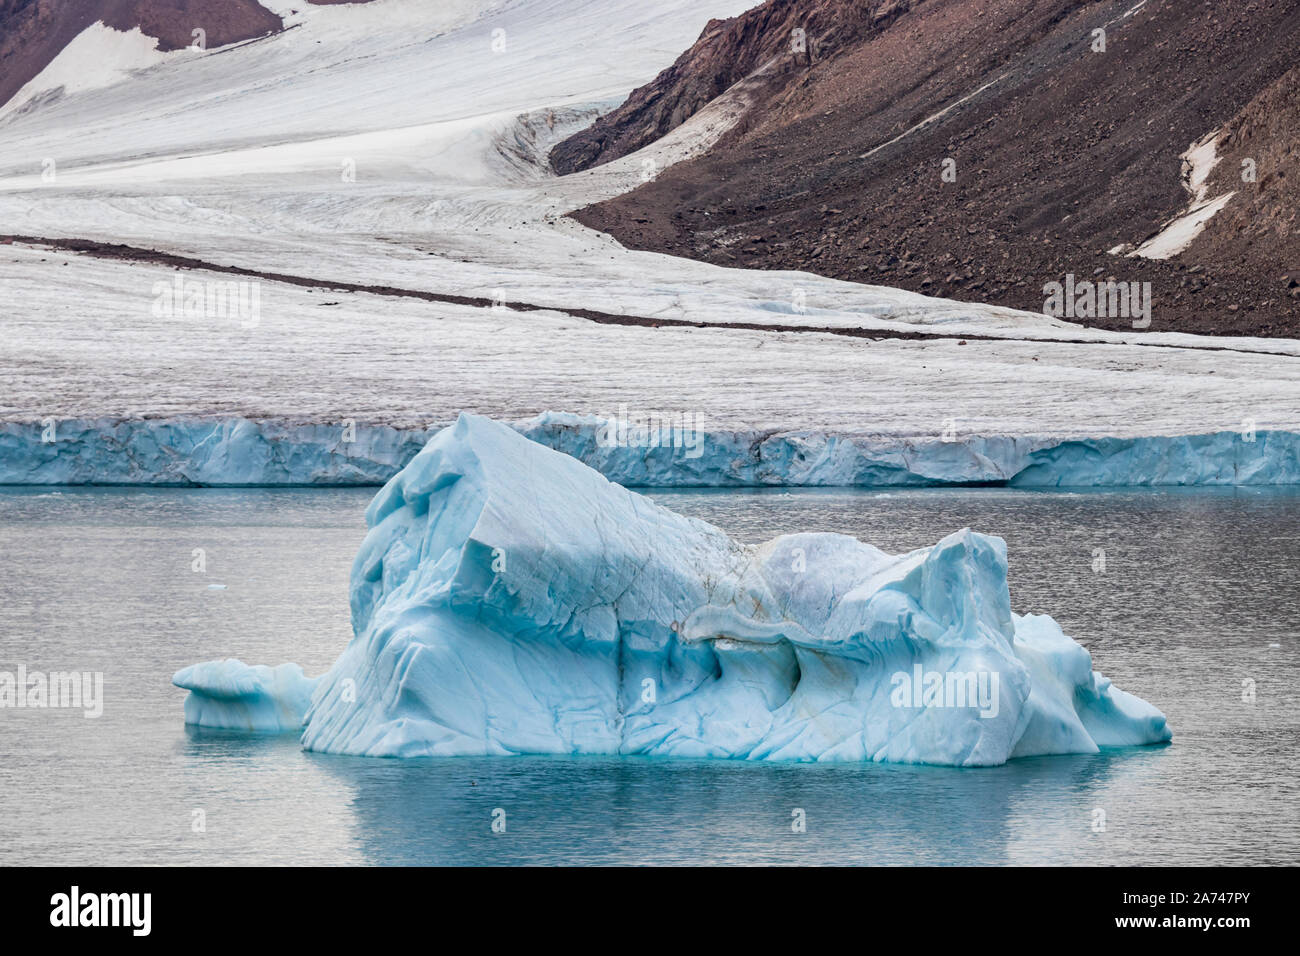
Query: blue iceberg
{"x": 508, "y": 599}
{"x": 230, "y": 695}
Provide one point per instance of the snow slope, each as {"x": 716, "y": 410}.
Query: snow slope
{"x": 100, "y": 56}
{"x": 508, "y": 599}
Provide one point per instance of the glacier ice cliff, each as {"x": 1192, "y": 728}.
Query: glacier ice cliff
{"x": 508, "y": 599}
{"x": 239, "y": 452}
{"x": 200, "y": 452}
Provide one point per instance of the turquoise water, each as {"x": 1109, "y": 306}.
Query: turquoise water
{"x": 1198, "y": 595}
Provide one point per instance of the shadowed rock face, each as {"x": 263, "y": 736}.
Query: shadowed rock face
{"x": 1262, "y": 223}
{"x": 1061, "y": 153}
{"x": 33, "y": 32}
{"x": 727, "y": 52}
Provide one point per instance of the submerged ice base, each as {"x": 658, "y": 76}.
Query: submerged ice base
{"x": 508, "y": 599}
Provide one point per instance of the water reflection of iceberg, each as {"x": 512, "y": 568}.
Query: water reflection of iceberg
{"x": 645, "y": 810}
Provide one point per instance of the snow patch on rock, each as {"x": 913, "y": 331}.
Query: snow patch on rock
{"x": 1198, "y": 162}
{"x": 97, "y": 57}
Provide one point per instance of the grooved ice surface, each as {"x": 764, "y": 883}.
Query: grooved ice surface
{"x": 508, "y": 599}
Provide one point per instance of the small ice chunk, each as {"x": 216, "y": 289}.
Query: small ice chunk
{"x": 231, "y": 695}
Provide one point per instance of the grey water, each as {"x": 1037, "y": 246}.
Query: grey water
{"x": 1190, "y": 599}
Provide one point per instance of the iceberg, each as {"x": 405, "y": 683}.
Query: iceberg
{"x": 230, "y": 695}
{"x": 508, "y": 599}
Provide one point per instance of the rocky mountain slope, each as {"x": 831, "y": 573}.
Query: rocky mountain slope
{"x": 980, "y": 149}
{"x": 765, "y": 39}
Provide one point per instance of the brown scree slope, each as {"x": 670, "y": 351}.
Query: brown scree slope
{"x": 1063, "y": 155}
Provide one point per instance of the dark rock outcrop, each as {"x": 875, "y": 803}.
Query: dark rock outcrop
{"x": 727, "y": 52}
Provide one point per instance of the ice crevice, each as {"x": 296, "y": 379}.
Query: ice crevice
{"x": 616, "y": 626}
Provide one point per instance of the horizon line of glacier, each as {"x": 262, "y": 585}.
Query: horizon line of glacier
{"x": 239, "y": 452}
{"x": 508, "y": 599}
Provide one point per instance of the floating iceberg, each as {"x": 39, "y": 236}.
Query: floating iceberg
{"x": 230, "y": 695}
{"x": 508, "y": 599}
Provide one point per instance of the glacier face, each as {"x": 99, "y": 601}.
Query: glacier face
{"x": 239, "y": 452}
{"x": 232, "y": 452}
{"x": 508, "y": 599}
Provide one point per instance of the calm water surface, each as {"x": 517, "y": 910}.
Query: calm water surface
{"x": 1200, "y": 595}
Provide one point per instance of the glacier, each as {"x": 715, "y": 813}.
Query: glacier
{"x": 238, "y": 452}
{"x": 508, "y": 599}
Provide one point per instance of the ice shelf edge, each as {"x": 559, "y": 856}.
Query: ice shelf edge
{"x": 238, "y": 452}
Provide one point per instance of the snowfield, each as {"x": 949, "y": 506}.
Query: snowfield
{"x": 402, "y": 144}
